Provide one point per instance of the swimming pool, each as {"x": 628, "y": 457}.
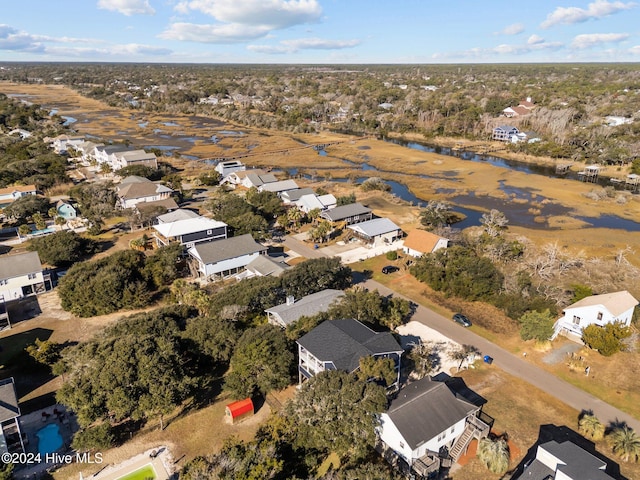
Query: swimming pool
{"x": 49, "y": 439}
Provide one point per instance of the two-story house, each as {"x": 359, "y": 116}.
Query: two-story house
{"x": 340, "y": 344}
{"x": 503, "y": 133}
{"x": 20, "y": 275}
{"x": 429, "y": 424}
{"x": 224, "y": 258}
{"x": 596, "y": 310}
{"x": 348, "y": 214}
{"x": 564, "y": 461}
{"x": 11, "y": 433}
{"x": 189, "y": 231}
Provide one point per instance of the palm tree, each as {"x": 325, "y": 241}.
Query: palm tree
{"x": 625, "y": 443}
{"x": 294, "y": 216}
{"x": 494, "y": 454}
{"x": 591, "y": 427}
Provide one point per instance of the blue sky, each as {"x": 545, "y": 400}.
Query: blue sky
{"x": 320, "y": 31}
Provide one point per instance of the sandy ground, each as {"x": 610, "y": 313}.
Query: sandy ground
{"x": 413, "y": 332}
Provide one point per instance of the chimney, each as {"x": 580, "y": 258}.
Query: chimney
{"x": 290, "y": 300}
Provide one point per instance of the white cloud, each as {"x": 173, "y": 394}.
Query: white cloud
{"x": 513, "y": 29}
{"x": 635, "y": 50}
{"x": 241, "y": 20}
{"x": 293, "y": 46}
{"x": 595, "y": 10}
{"x": 127, "y": 7}
{"x": 226, "y": 33}
{"x": 500, "y": 50}
{"x": 588, "y": 40}
{"x": 535, "y": 40}
{"x": 276, "y": 13}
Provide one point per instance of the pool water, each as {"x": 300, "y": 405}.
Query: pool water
{"x": 49, "y": 439}
{"x": 144, "y": 473}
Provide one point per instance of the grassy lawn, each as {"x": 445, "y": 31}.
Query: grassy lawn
{"x": 520, "y": 410}
{"x": 144, "y": 473}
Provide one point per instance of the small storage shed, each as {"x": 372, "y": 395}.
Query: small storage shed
{"x": 236, "y": 411}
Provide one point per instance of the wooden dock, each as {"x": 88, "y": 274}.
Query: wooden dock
{"x": 563, "y": 168}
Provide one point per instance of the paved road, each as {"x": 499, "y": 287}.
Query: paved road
{"x": 510, "y": 363}
{"x": 515, "y": 365}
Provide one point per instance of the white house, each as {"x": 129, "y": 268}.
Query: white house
{"x": 431, "y": 422}
{"x": 596, "y": 310}
{"x": 504, "y": 133}
{"x": 10, "y": 194}
{"x": 63, "y": 142}
{"x": 20, "y": 275}
{"x": 419, "y": 242}
{"x": 189, "y": 231}
{"x": 106, "y": 153}
{"x": 255, "y": 177}
{"x": 340, "y": 344}
{"x": 225, "y": 168}
{"x": 224, "y": 258}
{"x": 311, "y": 201}
{"x": 134, "y": 190}
{"x": 377, "y": 231}
{"x": 134, "y": 157}
{"x": 564, "y": 461}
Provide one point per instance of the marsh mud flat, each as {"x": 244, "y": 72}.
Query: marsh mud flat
{"x": 538, "y": 206}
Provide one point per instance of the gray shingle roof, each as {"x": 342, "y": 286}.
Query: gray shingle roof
{"x": 218, "y": 250}
{"x": 265, "y": 266}
{"x": 12, "y": 266}
{"x": 345, "y": 211}
{"x": 293, "y": 195}
{"x": 573, "y": 461}
{"x": 424, "y": 409}
{"x": 8, "y": 400}
{"x": 345, "y": 342}
{"x": 306, "y": 306}
{"x": 179, "y": 214}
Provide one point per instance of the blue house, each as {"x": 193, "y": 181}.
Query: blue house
{"x": 66, "y": 210}
{"x": 503, "y": 133}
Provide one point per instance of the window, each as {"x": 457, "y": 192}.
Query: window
{"x": 599, "y": 315}
{"x": 401, "y": 444}
{"x": 209, "y": 232}
{"x": 441, "y": 436}
{"x": 4, "y": 282}
{"x": 453, "y": 429}
{"x": 576, "y": 320}
{"x": 31, "y": 276}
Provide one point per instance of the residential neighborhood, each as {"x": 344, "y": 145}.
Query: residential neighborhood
{"x": 227, "y": 317}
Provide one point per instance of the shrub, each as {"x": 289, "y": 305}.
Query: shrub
{"x": 606, "y": 340}
{"x": 536, "y": 325}
{"x": 93, "y": 438}
{"x": 392, "y": 255}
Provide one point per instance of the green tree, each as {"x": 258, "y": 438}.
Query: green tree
{"x": 44, "y": 351}
{"x": 360, "y": 304}
{"x": 210, "y": 178}
{"x": 625, "y": 443}
{"x": 346, "y": 199}
{"x": 25, "y": 207}
{"x": 137, "y": 368}
{"x": 62, "y": 248}
{"x": 24, "y": 230}
{"x": 99, "y": 437}
{"x": 38, "y": 219}
{"x": 262, "y": 361}
{"x": 437, "y": 214}
{"x": 590, "y": 426}
{"x": 607, "y": 339}
{"x": 494, "y": 454}
{"x": 580, "y": 291}
{"x": 380, "y": 370}
{"x": 314, "y": 275}
{"x": 536, "y": 325}
{"x": 459, "y": 271}
{"x": 214, "y": 337}
{"x": 335, "y": 411}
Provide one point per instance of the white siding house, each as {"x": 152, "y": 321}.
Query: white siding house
{"x": 428, "y": 417}
{"x": 596, "y": 310}
{"x": 20, "y": 275}
{"x": 224, "y": 258}
{"x": 419, "y": 242}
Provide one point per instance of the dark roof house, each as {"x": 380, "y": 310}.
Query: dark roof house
{"x": 352, "y": 213}
{"x": 340, "y": 344}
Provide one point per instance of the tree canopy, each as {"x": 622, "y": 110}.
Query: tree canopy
{"x": 62, "y": 248}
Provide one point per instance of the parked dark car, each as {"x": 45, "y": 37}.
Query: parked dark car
{"x": 389, "y": 269}
{"x": 462, "y": 320}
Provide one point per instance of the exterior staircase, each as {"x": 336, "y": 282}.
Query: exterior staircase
{"x": 462, "y": 443}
